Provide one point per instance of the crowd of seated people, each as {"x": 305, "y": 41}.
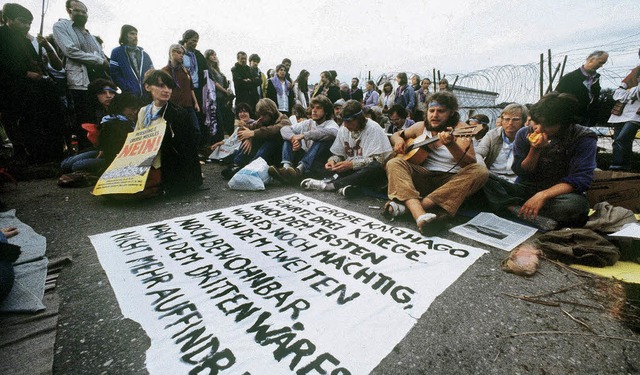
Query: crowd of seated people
{"x": 331, "y": 136}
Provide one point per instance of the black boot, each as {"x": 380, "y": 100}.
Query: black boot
{"x": 227, "y": 173}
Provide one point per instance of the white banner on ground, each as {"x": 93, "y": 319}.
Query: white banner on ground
{"x": 289, "y": 285}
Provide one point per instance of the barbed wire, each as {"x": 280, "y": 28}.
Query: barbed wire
{"x": 521, "y": 83}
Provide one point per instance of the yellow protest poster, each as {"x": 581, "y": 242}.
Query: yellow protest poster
{"x": 128, "y": 172}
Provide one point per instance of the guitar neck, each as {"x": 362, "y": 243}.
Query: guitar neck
{"x": 422, "y": 143}
{"x": 465, "y": 131}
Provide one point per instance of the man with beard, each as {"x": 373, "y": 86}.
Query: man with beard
{"x": 433, "y": 189}
{"x": 129, "y": 62}
{"x": 85, "y": 61}
{"x": 245, "y": 82}
{"x": 356, "y": 92}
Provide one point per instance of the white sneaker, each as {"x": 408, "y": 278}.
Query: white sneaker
{"x": 313, "y": 184}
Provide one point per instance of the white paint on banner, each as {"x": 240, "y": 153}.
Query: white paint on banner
{"x": 289, "y": 285}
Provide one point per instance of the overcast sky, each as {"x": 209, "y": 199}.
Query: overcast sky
{"x": 354, "y": 37}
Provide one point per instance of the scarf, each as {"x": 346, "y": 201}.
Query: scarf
{"x": 278, "y": 86}
{"x": 113, "y": 117}
{"x": 173, "y": 72}
{"x": 135, "y": 59}
{"x": 422, "y": 96}
{"x": 149, "y": 117}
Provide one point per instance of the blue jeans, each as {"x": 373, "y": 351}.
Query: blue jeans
{"x": 313, "y": 160}
{"x": 267, "y": 150}
{"x": 85, "y": 161}
{"x": 623, "y": 137}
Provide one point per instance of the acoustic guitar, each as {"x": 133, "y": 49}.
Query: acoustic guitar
{"x": 416, "y": 150}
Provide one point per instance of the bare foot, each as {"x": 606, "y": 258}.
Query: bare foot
{"x": 9, "y": 231}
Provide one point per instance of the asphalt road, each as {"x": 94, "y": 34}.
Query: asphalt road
{"x": 477, "y": 326}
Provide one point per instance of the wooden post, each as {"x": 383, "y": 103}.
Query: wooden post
{"x": 563, "y": 65}
{"x": 553, "y": 78}
{"x": 541, "y": 74}
{"x": 435, "y": 84}
{"x": 369, "y": 77}
{"x": 549, "y": 63}
{"x": 40, "y": 63}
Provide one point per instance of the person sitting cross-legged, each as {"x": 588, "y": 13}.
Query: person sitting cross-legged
{"x": 554, "y": 161}
{"x": 359, "y": 151}
{"x": 496, "y": 148}
{"x": 261, "y": 139}
{"x": 433, "y": 189}
{"x": 307, "y": 143}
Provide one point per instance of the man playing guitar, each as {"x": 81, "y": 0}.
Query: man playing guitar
{"x": 433, "y": 187}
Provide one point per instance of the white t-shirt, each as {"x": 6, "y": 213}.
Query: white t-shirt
{"x": 372, "y": 140}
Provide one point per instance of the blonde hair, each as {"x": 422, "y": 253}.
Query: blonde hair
{"x": 176, "y": 47}
{"x": 267, "y": 106}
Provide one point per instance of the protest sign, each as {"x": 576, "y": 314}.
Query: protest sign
{"x": 289, "y": 285}
{"x": 128, "y": 172}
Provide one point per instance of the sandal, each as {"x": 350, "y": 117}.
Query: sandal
{"x": 393, "y": 209}
{"x": 313, "y": 184}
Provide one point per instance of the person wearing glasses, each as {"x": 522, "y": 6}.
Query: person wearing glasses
{"x": 496, "y": 147}
{"x": 554, "y": 161}
{"x": 398, "y": 119}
